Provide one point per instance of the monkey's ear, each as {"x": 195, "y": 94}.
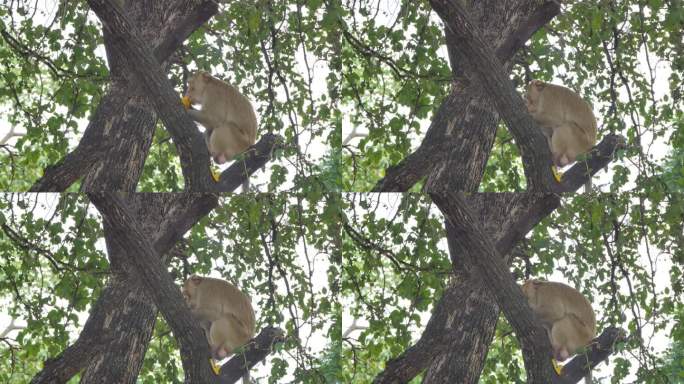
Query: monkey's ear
{"x": 195, "y": 279}
{"x": 205, "y": 75}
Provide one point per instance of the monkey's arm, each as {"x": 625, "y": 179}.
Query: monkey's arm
{"x": 201, "y": 118}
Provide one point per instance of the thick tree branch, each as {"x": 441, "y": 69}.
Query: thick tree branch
{"x": 597, "y": 159}
{"x": 434, "y": 148}
{"x": 490, "y": 267}
{"x": 517, "y": 39}
{"x": 92, "y": 340}
{"x": 184, "y": 211}
{"x": 527, "y": 210}
{"x": 521, "y": 213}
{"x": 138, "y": 55}
{"x": 188, "y": 16}
{"x": 149, "y": 269}
{"x": 58, "y": 177}
{"x": 255, "y": 351}
{"x": 601, "y": 348}
{"x": 485, "y": 69}
{"x": 151, "y": 274}
{"x": 254, "y": 158}
{"x": 192, "y": 15}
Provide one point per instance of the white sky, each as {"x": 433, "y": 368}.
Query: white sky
{"x": 314, "y": 342}
{"x": 389, "y": 204}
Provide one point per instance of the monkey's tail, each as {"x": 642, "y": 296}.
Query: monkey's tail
{"x": 587, "y": 378}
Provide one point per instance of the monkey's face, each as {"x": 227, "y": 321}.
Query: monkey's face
{"x": 189, "y": 290}
{"x": 529, "y": 288}
{"x": 196, "y": 86}
{"x": 532, "y": 95}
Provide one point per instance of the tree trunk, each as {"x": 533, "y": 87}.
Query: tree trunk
{"x": 123, "y": 317}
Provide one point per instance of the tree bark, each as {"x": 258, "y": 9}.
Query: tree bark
{"x": 457, "y": 337}
{"x": 114, "y": 146}
{"x": 123, "y": 317}
{"x": 463, "y": 128}
{"x": 132, "y": 249}
{"x": 491, "y": 270}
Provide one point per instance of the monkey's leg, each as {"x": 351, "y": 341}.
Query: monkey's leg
{"x": 562, "y": 334}
{"x": 561, "y": 141}
{"x": 223, "y": 144}
{"x": 207, "y": 139}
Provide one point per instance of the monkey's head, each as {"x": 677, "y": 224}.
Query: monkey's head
{"x": 189, "y": 289}
{"x": 196, "y": 87}
{"x": 534, "y": 89}
{"x": 530, "y": 286}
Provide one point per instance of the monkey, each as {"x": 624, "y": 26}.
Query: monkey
{"x": 566, "y": 120}
{"x": 565, "y": 313}
{"x": 224, "y": 313}
{"x": 226, "y": 114}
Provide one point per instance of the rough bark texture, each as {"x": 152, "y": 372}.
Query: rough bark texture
{"x": 123, "y": 315}
{"x": 129, "y": 246}
{"x": 139, "y": 60}
{"x": 491, "y": 270}
{"x": 483, "y": 69}
{"x": 113, "y": 149}
{"x": 449, "y": 347}
{"x": 463, "y": 127}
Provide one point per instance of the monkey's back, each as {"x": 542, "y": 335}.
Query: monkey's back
{"x": 572, "y": 108}
{"x": 242, "y": 306}
{"x": 236, "y": 108}
{"x": 223, "y": 293}
{"x": 574, "y": 303}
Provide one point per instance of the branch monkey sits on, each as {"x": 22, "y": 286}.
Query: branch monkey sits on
{"x": 565, "y": 118}
{"x": 565, "y": 313}
{"x": 226, "y": 114}
{"x": 225, "y": 314}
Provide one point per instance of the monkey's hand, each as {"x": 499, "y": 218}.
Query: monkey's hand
{"x": 556, "y": 175}
{"x": 214, "y": 367}
{"x": 186, "y": 102}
